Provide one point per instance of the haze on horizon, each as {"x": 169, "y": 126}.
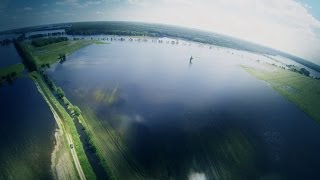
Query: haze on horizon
{"x": 292, "y": 26}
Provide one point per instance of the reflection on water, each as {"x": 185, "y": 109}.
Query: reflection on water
{"x": 202, "y": 121}
{"x": 9, "y": 56}
{"x": 26, "y": 132}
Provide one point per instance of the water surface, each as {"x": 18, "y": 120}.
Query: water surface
{"x": 26, "y": 132}
{"x": 9, "y": 55}
{"x": 183, "y": 119}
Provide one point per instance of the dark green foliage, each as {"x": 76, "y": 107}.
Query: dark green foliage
{"x": 62, "y": 58}
{"x": 10, "y": 73}
{"x": 37, "y": 36}
{"x": 76, "y": 110}
{"x": 296, "y": 69}
{"x": 60, "y": 93}
{"x": 46, "y": 41}
{"x": 28, "y": 60}
{"x": 5, "y": 42}
{"x": 304, "y": 72}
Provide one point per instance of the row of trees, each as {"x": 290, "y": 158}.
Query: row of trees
{"x": 74, "y": 110}
{"x": 5, "y": 42}
{"x": 46, "y": 35}
{"x": 62, "y": 57}
{"x": 8, "y": 78}
{"x": 304, "y": 72}
{"x": 296, "y": 69}
{"x": 46, "y": 41}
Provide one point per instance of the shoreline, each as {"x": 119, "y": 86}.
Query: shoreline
{"x": 59, "y": 154}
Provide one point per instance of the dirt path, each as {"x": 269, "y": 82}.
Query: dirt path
{"x": 75, "y": 158}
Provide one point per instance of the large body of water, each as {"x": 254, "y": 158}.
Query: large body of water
{"x": 182, "y": 119}
{"x": 27, "y": 126}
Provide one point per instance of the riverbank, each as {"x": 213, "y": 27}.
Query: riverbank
{"x": 49, "y": 54}
{"x": 68, "y": 158}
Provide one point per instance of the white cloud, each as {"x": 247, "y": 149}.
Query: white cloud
{"x": 27, "y": 8}
{"x": 99, "y": 12}
{"x": 135, "y": 1}
{"x": 307, "y": 6}
{"x": 282, "y": 24}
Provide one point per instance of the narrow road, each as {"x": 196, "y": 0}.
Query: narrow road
{"x": 75, "y": 158}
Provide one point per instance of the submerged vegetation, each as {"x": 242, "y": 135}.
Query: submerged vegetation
{"x": 110, "y": 148}
{"x": 108, "y": 97}
{"x": 303, "y": 91}
{"x": 8, "y": 74}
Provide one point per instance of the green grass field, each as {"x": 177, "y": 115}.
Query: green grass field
{"x": 301, "y": 90}
{"x": 17, "y": 69}
{"x": 50, "y": 53}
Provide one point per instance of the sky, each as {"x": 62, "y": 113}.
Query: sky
{"x": 291, "y": 26}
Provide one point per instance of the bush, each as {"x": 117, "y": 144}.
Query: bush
{"x": 60, "y": 93}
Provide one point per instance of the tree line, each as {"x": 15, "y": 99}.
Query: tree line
{"x": 5, "y": 42}
{"x": 46, "y": 41}
{"x": 27, "y": 58}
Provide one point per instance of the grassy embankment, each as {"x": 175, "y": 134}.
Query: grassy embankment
{"x": 62, "y": 163}
{"x": 104, "y": 139}
{"x": 66, "y": 124}
{"x": 35, "y": 58}
{"x": 49, "y": 54}
{"x": 10, "y": 72}
{"x": 303, "y": 91}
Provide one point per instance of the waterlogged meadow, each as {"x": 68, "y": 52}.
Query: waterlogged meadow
{"x": 151, "y": 112}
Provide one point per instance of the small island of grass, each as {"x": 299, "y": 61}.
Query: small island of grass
{"x": 8, "y": 74}
{"x": 50, "y": 53}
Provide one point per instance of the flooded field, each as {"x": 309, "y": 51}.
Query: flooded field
{"x": 157, "y": 114}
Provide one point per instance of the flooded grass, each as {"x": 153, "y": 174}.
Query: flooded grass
{"x": 11, "y": 72}
{"x": 303, "y": 91}
{"x": 50, "y": 53}
{"x": 107, "y": 96}
{"x": 16, "y": 68}
{"x": 177, "y": 121}
{"x": 109, "y": 147}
